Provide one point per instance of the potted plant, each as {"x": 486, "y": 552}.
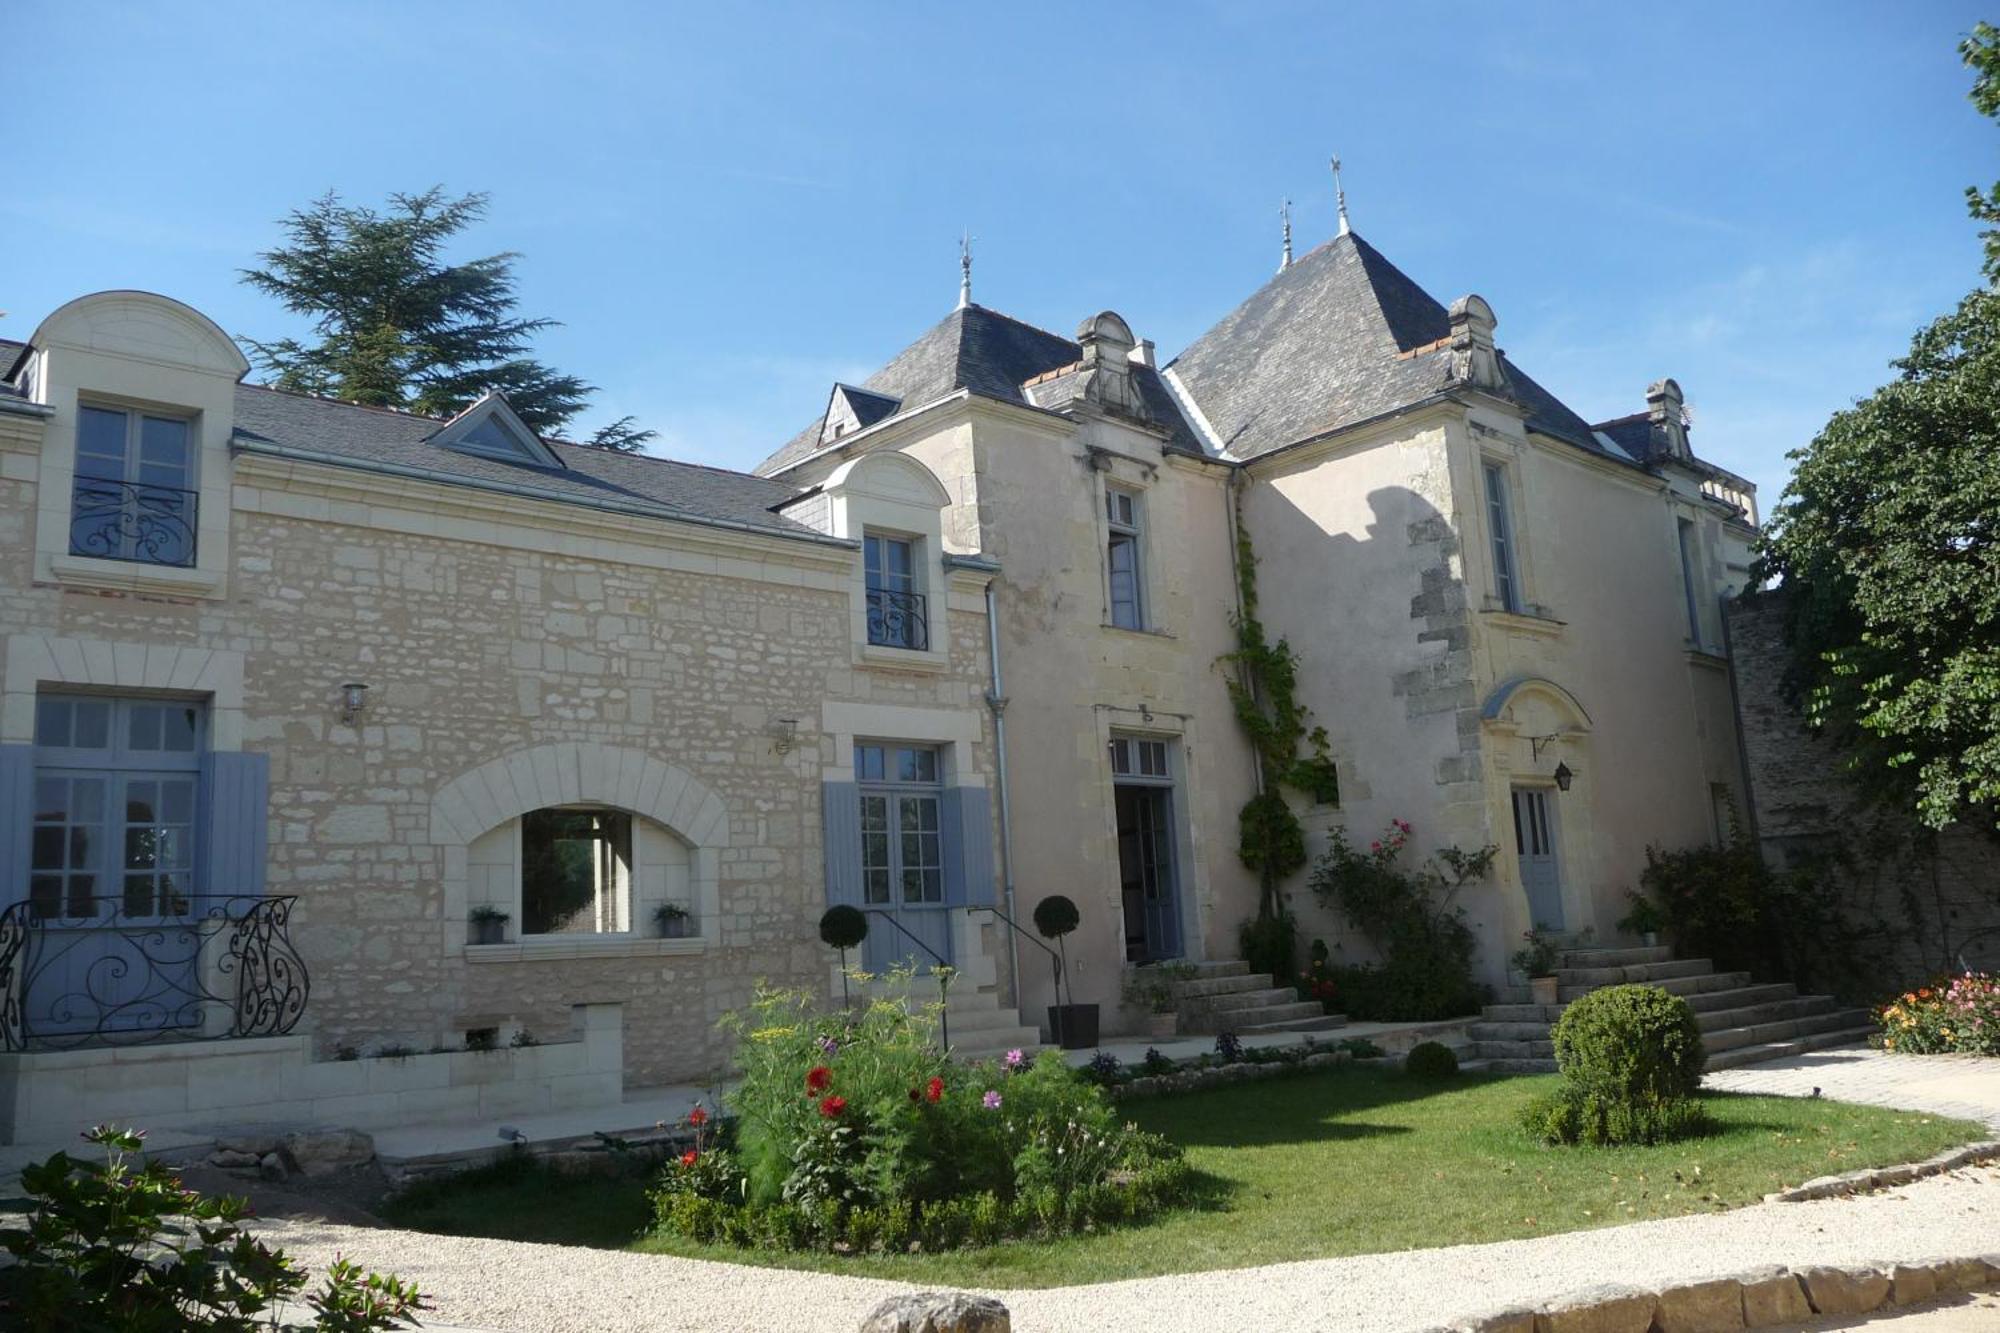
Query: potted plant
{"x": 1155, "y": 987}
{"x": 673, "y": 920}
{"x": 1646, "y": 919}
{"x": 1073, "y": 1025}
{"x": 489, "y": 925}
{"x": 1537, "y": 962}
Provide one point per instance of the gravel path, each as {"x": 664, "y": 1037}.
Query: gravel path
{"x": 524, "y": 1288}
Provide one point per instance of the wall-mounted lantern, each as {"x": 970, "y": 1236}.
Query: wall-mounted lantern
{"x": 784, "y": 734}
{"x": 1563, "y": 776}
{"x": 353, "y": 699}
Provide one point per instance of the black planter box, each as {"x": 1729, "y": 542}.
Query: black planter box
{"x": 1074, "y": 1026}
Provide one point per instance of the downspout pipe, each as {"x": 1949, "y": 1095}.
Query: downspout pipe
{"x": 996, "y": 702}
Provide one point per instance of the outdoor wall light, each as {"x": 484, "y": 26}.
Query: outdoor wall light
{"x": 1563, "y": 776}
{"x": 784, "y": 734}
{"x": 353, "y": 698}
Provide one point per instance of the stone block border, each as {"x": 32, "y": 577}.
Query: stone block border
{"x": 1196, "y": 1079}
{"x": 1887, "y": 1177}
{"x": 1762, "y": 1298}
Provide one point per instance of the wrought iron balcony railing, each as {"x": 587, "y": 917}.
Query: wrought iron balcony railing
{"x": 141, "y": 968}
{"x": 897, "y": 620}
{"x": 131, "y": 520}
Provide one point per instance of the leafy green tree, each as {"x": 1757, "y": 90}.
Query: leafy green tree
{"x": 398, "y": 326}
{"x": 1886, "y": 543}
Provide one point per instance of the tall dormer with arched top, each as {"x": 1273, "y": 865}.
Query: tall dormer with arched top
{"x": 133, "y": 482}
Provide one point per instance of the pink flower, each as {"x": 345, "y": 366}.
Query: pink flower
{"x": 991, "y": 1101}
{"x": 1015, "y": 1059}
{"x": 1375, "y": 846}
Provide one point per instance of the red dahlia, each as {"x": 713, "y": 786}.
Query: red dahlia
{"x": 832, "y": 1107}
{"x": 817, "y": 1079}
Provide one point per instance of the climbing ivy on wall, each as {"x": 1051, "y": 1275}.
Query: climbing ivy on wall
{"x": 1291, "y": 752}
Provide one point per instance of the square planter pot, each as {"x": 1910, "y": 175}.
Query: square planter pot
{"x": 489, "y": 932}
{"x": 1074, "y": 1026}
{"x": 1542, "y": 990}
{"x": 1163, "y": 1025}
{"x": 676, "y": 927}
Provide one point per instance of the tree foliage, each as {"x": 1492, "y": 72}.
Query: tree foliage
{"x": 1886, "y": 543}
{"x": 399, "y": 326}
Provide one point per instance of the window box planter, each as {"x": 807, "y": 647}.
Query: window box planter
{"x": 674, "y": 922}
{"x": 1074, "y": 1026}
{"x": 488, "y": 926}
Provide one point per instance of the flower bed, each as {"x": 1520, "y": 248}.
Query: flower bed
{"x": 1956, "y": 1015}
{"x": 853, "y": 1132}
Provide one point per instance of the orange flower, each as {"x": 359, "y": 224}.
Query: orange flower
{"x": 689, "y": 1157}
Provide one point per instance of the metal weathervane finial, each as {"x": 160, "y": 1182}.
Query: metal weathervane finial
{"x": 1285, "y": 213}
{"x": 964, "y": 270}
{"x": 1340, "y": 196}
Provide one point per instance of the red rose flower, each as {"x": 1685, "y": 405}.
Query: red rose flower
{"x": 817, "y": 1079}
{"x": 935, "y": 1092}
{"x": 832, "y": 1107}
{"x": 688, "y": 1157}
{"x": 697, "y": 1117}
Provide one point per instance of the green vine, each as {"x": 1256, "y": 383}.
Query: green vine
{"x": 1291, "y": 752}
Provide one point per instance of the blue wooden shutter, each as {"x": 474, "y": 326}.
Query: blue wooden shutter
{"x": 967, "y": 824}
{"x": 840, "y": 811}
{"x": 17, "y": 820}
{"x": 236, "y": 794}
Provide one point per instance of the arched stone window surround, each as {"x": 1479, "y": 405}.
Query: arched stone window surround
{"x": 573, "y": 773}
{"x": 1495, "y": 709}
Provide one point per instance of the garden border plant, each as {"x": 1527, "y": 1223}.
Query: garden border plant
{"x": 1631, "y": 1059}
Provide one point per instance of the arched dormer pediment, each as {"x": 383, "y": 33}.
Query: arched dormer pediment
{"x": 142, "y": 326}
{"x": 889, "y": 476}
{"x": 1532, "y": 702}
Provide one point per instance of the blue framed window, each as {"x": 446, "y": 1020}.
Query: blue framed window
{"x": 902, "y": 831}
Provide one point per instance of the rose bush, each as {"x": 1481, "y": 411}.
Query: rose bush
{"x": 1956, "y": 1014}
{"x": 854, "y": 1131}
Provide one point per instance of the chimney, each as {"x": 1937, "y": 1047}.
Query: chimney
{"x": 1473, "y": 358}
{"x": 1667, "y": 414}
{"x": 1106, "y": 364}
{"x": 1143, "y": 354}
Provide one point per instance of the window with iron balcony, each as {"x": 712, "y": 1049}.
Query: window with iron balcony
{"x": 135, "y": 492}
{"x": 897, "y": 614}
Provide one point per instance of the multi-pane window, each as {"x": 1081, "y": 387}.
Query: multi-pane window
{"x": 1121, "y": 559}
{"x": 1500, "y": 518}
{"x": 896, "y": 611}
{"x": 114, "y": 807}
{"x": 576, "y": 871}
{"x": 1685, "y": 532}
{"x": 1135, "y": 758}
{"x": 134, "y": 497}
{"x": 902, "y": 852}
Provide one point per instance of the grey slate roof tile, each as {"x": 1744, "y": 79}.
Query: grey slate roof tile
{"x": 373, "y": 435}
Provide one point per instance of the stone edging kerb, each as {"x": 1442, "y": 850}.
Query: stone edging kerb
{"x": 1887, "y": 1177}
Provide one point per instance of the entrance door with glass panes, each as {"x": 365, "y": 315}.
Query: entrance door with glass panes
{"x": 112, "y": 866}
{"x": 902, "y": 856}
{"x": 1143, "y": 791}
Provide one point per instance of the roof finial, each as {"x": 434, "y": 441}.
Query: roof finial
{"x": 1285, "y": 213}
{"x": 1340, "y": 195}
{"x": 964, "y": 270}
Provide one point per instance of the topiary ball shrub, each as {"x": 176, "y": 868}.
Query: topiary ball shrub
{"x": 1430, "y": 1059}
{"x": 1631, "y": 1044}
{"x": 1056, "y": 916}
{"x": 1631, "y": 1060}
{"x": 843, "y": 927}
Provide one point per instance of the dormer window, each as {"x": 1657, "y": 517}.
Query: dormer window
{"x": 134, "y": 497}
{"x": 490, "y": 429}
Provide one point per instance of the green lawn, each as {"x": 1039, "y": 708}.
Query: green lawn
{"x": 1346, "y": 1162}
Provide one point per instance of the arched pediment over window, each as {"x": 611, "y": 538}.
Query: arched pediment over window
{"x": 145, "y": 327}
{"x": 1534, "y": 702}
{"x": 575, "y": 774}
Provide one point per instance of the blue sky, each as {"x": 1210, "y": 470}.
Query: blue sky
{"x": 731, "y": 206}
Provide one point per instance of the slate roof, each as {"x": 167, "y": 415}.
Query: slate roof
{"x": 379, "y": 436}
{"x": 990, "y": 354}
{"x": 1633, "y": 434}
{"x": 1339, "y": 337}
{"x": 10, "y": 358}
{"x": 869, "y": 408}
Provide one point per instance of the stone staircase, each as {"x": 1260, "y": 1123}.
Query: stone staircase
{"x": 980, "y": 1026}
{"x": 1229, "y": 997}
{"x": 1741, "y": 1023}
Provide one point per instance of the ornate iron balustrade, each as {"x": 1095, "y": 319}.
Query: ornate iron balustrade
{"x": 132, "y": 970}
{"x": 898, "y": 619}
{"x": 130, "y": 520}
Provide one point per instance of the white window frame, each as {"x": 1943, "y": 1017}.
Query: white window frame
{"x": 914, "y": 586}
{"x": 1125, "y": 526}
{"x": 131, "y": 463}
{"x": 898, "y": 795}
{"x": 621, "y": 899}
{"x": 1502, "y": 546}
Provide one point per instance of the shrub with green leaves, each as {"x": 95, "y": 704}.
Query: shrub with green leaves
{"x": 113, "y": 1247}
{"x": 1430, "y": 1059}
{"x": 854, "y": 1129}
{"x": 1631, "y": 1059}
{"x": 1411, "y": 918}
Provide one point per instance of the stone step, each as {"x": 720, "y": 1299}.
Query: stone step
{"x": 1783, "y": 1030}
{"x": 1515, "y": 1065}
{"x": 1228, "y": 983}
{"x": 1529, "y": 1048}
{"x": 1635, "y": 974}
{"x": 1778, "y": 1050}
{"x": 991, "y": 1045}
{"x": 1228, "y": 967}
{"x": 1686, "y": 986}
{"x": 981, "y": 1020}
{"x": 1240, "y": 999}
{"x": 1616, "y": 957}
{"x": 1316, "y": 1023}
{"x": 1742, "y": 997}
{"x": 1540, "y": 1014}
{"x": 1237, "y": 1020}
{"x": 1773, "y": 1011}
{"x": 1736, "y": 997}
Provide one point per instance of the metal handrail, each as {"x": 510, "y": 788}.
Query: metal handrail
{"x": 944, "y": 978}
{"x": 1055, "y": 959}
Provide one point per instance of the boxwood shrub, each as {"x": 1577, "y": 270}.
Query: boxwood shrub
{"x": 1430, "y": 1059}
{"x": 1631, "y": 1061}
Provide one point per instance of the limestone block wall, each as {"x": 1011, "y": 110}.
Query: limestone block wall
{"x": 1935, "y": 902}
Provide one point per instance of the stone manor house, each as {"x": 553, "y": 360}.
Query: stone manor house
{"x": 329, "y": 730}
